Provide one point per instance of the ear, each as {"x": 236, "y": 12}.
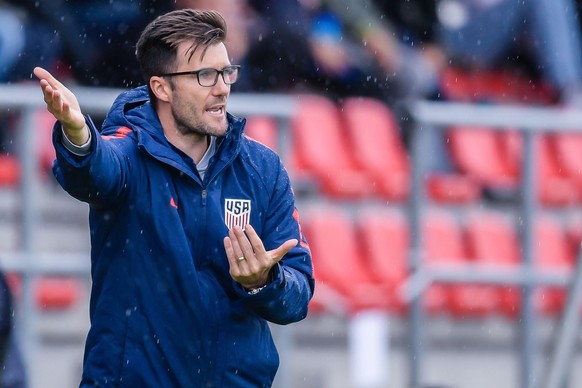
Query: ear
{"x": 161, "y": 88}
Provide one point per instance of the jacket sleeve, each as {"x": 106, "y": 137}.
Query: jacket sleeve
{"x": 97, "y": 178}
{"x": 286, "y": 298}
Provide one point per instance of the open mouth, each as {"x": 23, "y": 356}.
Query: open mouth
{"x": 217, "y": 110}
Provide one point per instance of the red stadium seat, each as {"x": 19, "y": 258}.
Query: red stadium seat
{"x": 44, "y": 122}
{"x": 551, "y": 251}
{"x": 377, "y": 146}
{"x": 492, "y": 241}
{"x": 477, "y": 151}
{"x": 375, "y": 140}
{"x": 321, "y": 150}
{"x": 494, "y": 159}
{"x": 55, "y": 293}
{"x": 338, "y": 261}
{"x": 444, "y": 243}
{"x": 553, "y": 187}
{"x": 264, "y": 130}
{"x": 567, "y": 148}
{"x": 386, "y": 243}
{"x": 495, "y": 86}
{"x": 9, "y": 171}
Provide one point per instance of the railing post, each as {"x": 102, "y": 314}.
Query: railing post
{"x": 529, "y": 194}
{"x": 416, "y": 205}
{"x": 28, "y": 155}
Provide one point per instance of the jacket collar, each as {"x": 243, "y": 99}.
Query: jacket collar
{"x": 134, "y": 110}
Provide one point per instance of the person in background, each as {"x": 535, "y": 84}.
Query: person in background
{"x": 12, "y": 369}
{"x": 196, "y": 241}
{"x": 89, "y": 41}
{"x": 539, "y": 36}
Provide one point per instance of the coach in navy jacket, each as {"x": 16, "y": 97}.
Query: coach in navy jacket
{"x": 192, "y": 252}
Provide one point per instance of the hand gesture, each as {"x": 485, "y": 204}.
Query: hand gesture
{"x": 250, "y": 264}
{"x": 63, "y": 104}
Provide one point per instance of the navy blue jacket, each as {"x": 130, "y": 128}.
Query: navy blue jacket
{"x": 164, "y": 310}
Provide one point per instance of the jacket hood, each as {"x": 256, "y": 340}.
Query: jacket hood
{"x": 133, "y": 109}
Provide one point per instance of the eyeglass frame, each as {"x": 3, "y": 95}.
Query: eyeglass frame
{"x": 197, "y": 72}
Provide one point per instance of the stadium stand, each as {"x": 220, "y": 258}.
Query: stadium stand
{"x": 482, "y": 86}
{"x": 442, "y": 243}
{"x": 376, "y": 143}
{"x": 494, "y": 158}
{"x": 321, "y": 150}
{"x": 264, "y": 130}
{"x": 552, "y": 252}
{"x": 481, "y": 229}
{"x": 385, "y": 239}
{"x": 338, "y": 260}
{"x": 9, "y": 171}
{"x": 567, "y": 148}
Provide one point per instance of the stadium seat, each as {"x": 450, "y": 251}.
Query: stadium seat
{"x": 475, "y": 85}
{"x": 321, "y": 150}
{"x": 338, "y": 261}
{"x": 375, "y": 141}
{"x": 385, "y": 238}
{"x": 44, "y": 122}
{"x": 9, "y": 171}
{"x": 573, "y": 230}
{"x": 494, "y": 159}
{"x": 376, "y": 144}
{"x": 553, "y": 187}
{"x": 567, "y": 148}
{"x": 444, "y": 243}
{"x": 551, "y": 252}
{"x": 477, "y": 152}
{"x": 264, "y": 130}
{"x": 493, "y": 242}
{"x": 57, "y": 293}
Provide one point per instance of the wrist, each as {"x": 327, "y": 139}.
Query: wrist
{"x": 77, "y": 136}
{"x": 255, "y": 288}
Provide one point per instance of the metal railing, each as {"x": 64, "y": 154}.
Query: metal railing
{"x": 427, "y": 116}
{"x": 27, "y": 99}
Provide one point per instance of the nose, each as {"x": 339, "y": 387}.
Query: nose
{"x": 221, "y": 88}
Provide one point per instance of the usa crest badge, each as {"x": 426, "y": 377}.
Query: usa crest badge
{"x": 237, "y": 212}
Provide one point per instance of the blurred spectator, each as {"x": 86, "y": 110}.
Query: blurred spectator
{"x": 400, "y": 38}
{"x": 302, "y": 46}
{"x": 11, "y": 39}
{"x": 240, "y": 19}
{"x": 543, "y": 34}
{"x": 92, "y": 40}
{"x": 12, "y": 371}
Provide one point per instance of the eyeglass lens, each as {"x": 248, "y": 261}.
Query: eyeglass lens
{"x": 209, "y": 77}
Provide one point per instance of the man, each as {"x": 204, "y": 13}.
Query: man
{"x": 195, "y": 238}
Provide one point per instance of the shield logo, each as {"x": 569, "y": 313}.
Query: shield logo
{"x": 237, "y": 212}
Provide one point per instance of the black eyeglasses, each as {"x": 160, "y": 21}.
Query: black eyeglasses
{"x": 208, "y": 77}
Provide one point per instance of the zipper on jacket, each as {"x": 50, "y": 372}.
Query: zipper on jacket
{"x": 204, "y": 195}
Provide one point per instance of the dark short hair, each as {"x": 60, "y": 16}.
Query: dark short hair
{"x": 157, "y": 46}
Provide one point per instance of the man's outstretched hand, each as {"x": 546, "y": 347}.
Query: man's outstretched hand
{"x": 250, "y": 264}
{"x": 63, "y": 104}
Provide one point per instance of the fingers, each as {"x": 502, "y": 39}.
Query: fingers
{"x": 255, "y": 262}
{"x": 240, "y": 247}
{"x": 230, "y": 253}
{"x": 253, "y": 245}
{"x": 63, "y": 104}
{"x": 250, "y": 246}
{"x": 284, "y": 248}
{"x": 44, "y": 75}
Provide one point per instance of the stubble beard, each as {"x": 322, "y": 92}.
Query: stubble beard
{"x": 191, "y": 125}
